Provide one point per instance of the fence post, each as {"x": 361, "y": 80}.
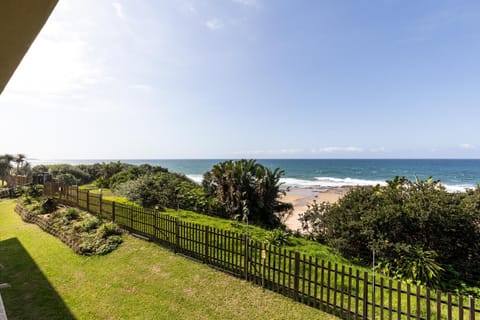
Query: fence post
{"x": 76, "y": 189}
{"x": 365, "y": 295}
{"x": 245, "y": 263}
{"x": 100, "y": 205}
{"x": 207, "y": 229}
{"x": 113, "y": 211}
{"x": 131, "y": 217}
{"x": 88, "y": 200}
{"x": 177, "y": 235}
{"x": 296, "y": 275}
{"x": 155, "y": 224}
{"x": 472, "y": 308}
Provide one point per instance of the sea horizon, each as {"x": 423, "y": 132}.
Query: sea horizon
{"x": 455, "y": 174}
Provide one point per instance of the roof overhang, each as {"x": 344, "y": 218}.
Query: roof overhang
{"x": 20, "y": 23}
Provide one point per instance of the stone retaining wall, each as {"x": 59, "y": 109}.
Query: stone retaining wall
{"x": 44, "y": 225}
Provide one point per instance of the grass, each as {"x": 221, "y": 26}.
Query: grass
{"x": 407, "y": 304}
{"x": 136, "y": 220}
{"x": 138, "y": 281}
{"x": 107, "y": 194}
{"x": 302, "y": 245}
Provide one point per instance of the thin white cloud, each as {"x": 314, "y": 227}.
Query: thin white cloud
{"x": 313, "y": 151}
{"x": 214, "y": 24}
{"x": 249, "y": 3}
{"x": 188, "y": 7}
{"x": 118, "y": 7}
{"x": 338, "y": 150}
{"x": 467, "y": 146}
{"x": 143, "y": 87}
{"x": 271, "y": 152}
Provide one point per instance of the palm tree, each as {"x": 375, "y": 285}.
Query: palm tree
{"x": 5, "y": 166}
{"x": 247, "y": 190}
{"x": 19, "y": 160}
{"x": 26, "y": 168}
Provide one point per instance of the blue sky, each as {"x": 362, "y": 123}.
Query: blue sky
{"x": 249, "y": 78}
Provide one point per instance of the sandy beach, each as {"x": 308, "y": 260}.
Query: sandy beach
{"x": 301, "y": 197}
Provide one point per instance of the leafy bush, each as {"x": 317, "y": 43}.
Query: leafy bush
{"x": 111, "y": 243}
{"x": 92, "y": 236}
{"x": 25, "y": 201}
{"x": 164, "y": 190}
{"x": 415, "y": 265}
{"x": 278, "y": 237}
{"x": 34, "y": 191}
{"x": 92, "y": 243}
{"x": 49, "y": 205}
{"x": 133, "y": 173}
{"x": 71, "y": 214}
{"x": 108, "y": 229}
{"x": 87, "y": 223}
{"x": 414, "y": 226}
{"x": 66, "y": 173}
{"x": 247, "y": 190}
{"x": 313, "y": 220}
{"x": 67, "y": 179}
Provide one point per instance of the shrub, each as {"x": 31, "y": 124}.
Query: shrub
{"x": 25, "y": 201}
{"x": 247, "y": 190}
{"x": 34, "y": 191}
{"x": 412, "y": 225}
{"x": 277, "y": 237}
{"x": 49, "y": 205}
{"x": 163, "y": 189}
{"x": 95, "y": 244}
{"x": 71, "y": 214}
{"x": 313, "y": 220}
{"x": 111, "y": 243}
{"x": 413, "y": 264}
{"x": 87, "y": 223}
{"x": 108, "y": 229}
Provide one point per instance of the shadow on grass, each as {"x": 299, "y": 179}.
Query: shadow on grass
{"x": 31, "y": 296}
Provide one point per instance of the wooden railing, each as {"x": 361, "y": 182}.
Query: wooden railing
{"x": 18, "y": 181}
{"x": 344, "y": 291}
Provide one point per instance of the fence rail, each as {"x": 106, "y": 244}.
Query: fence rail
{"x": 14, "y": 180}
{"x": 5, "y": 193}
{"x": 340, "y": 290}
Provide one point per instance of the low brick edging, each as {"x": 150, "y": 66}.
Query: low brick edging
{"x": 45, "y": 226}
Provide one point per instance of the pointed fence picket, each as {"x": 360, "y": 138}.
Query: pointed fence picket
{"x": 337, "y": 289}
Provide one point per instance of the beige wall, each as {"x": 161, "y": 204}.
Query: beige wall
{"x": 20, "y": 22}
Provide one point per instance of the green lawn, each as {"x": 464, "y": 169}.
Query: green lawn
{"x": 107, "y": 194}
{"x": 302, "y": 245}
{"x": 138, "y": 281}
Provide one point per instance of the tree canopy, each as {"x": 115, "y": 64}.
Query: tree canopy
{"x": 247, "y": 190}
{"x": 419, "y": 230}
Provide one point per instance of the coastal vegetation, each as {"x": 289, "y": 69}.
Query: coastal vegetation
{"x": 89, "y": 235}
{"x": 10, "y": 164}
{"x": 419, "y": 232}
{"x": 247, "y": 191}
{"x": 237, "y": 190}
{"x": 50, "y": 281}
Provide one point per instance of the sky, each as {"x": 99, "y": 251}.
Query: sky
{"x": 248, "y": 79}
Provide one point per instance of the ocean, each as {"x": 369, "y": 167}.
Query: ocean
{"x": 455, "y": 174}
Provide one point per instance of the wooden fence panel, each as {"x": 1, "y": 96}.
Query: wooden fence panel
{"x": 323, "y": 285}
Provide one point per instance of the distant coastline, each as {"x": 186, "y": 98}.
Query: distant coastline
{"x": 323, "y": 174}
